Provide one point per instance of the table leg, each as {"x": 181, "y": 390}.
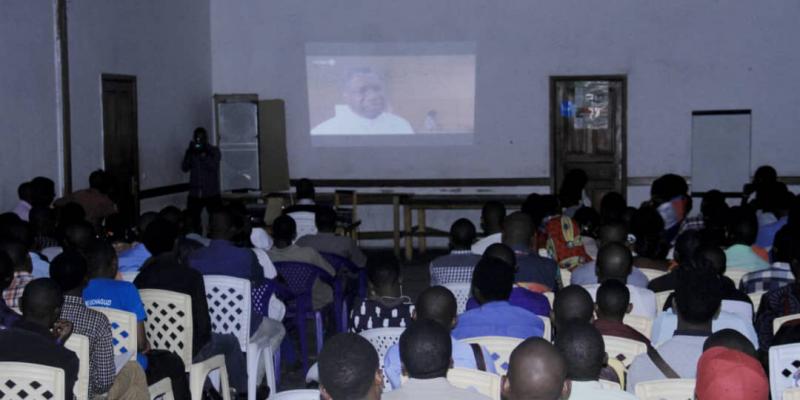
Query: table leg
{"x": 423, "y": 244}
{"x": 396, "y": 226}
{"x": 409, "y": 237}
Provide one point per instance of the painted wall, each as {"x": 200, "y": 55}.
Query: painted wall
{"x": 165, "y": 44}
{"x": 28, "y": 119}
{"x": 679, "y": 56}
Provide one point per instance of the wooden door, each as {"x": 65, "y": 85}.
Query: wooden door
{"x": 121, "y": 142}
{"x": 588, "y": 124}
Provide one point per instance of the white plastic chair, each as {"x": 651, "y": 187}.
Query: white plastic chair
{"x": 782, "y": 370}
{"x": 777, "y": 322}
{"x": 306, "y": 223}
{"x": 548, "y": 328}
{"x": 755, "y": 297}
{"x": 124, "y": 331}
{"x": 566, "y": 275}
{"x": 300, "y": 394}
{"x": 736, "y": 274}
{"x": 550, "y": 298}
{"x": 642, "y": 325}
{"x": 661, "y": 299}
{"x": 485, "y": 383}
{"x": 161, "y": 390}
{"x": 670, "y": 389}
{"x": 499, "y": 349}
{"x": 169, "y": 327}
{"x": 624, "y": 350}
{"x": 382, "y": 339}
{"x": 741, "y": 308}
{"x": 129, "y": 276}
{"x": 652, "y": 273}
{"x": 37, "y": 381}
{"x": 608, "y": 385}
{"x": 79, "y": 345}
{"x": 229, "y": 306}
{"x": 791, "y": 394}
{"x": 461, "y": 291}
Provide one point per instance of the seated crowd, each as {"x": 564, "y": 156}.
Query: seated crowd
{"x": 552, "y": 301}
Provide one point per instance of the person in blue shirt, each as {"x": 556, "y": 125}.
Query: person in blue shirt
{"x": 492, "y": 282}
{"x": 439, "y": 304}
{"x": 132, "y": 259}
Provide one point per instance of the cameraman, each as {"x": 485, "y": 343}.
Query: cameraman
{"x": 202, "y": 162}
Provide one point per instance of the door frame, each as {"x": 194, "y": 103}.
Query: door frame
{"x": 128, "y": 79}
{"x": 622, "y": 144}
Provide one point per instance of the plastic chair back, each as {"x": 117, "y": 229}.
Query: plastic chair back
{"x": 624, "y": 350}
{"x": 169, "y": 322}
{"x": 783, "y": 368}
{"x": 778, "y": 322}
{"x": 791, "y": 394}
{"x": 661, "y": 299}
{"x": 36, "y": 381}
{"x": 547, "y": 334}
{"x": 485, "y": 383}
{"x": 566, "y": 276}
{"x": 300, "y": 394}
{"x": 755, "y": 297}
{"x": 551, "y": 296}
{"x": 672, "y": 389}
{"x": 124, "y": 331}
{"x": 619, "y": 369}
{"x": 306, "y": 223}
{"x": 652, "y": 273}
{"x": 736, "y": 274}
{"x": 229, "y": 306}
{"x": 79, "y": 345}
{"x": 461, "y": 291}
{"x": 741, "y": 308}
{"x": 382, "y": 339}
{"x": 499, "y": 348}
{"x": 161, "y": 390}
{"x": 642, "y": 325}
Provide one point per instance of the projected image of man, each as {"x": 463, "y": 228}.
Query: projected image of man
{"x": 365, "y": 109}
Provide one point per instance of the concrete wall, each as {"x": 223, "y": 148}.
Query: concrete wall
{"x": 28, "y": 116}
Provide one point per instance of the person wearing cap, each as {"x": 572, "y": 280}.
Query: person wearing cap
{"x": 724, "y": 373}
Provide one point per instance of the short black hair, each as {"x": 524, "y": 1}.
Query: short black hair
{"x": 13, "y": 228}
{"x": 17, "y": 253}
{"x": 438, "y": 304}
{"x": 305, "y": 189}
{"x": 160, "y": 236}
{"x": 742, "y": 226}
{"x": 100, "y": 181}
{"x": 613, "y": 232}
{"x": 572, "y": 303}
{"x": 325, "y": 219}
{"x": 493, "y": 213}
{"x": 100, "y": 256}
{"x": 614, "y": 261}
{"x": 582, "y": 346}
{"x": 284, "y": 228}
{"x": 588, "y": 219}
{"x": 501, "y": 252}
{"x": 426, "y": 349}
{"x": 698, "y": 294}
{"x": 731, "y": 339}
{"x": 79, "y": 235}
{"x": 612, "y": 207}
{"x": 648, "y": 226}
{"x": 709, "y": 257}
{"x": 24, "y": 191}
{"x": 172, "y": 214}
{"x": 70, "y": 213}
{"x": 687, "y": 244}
{"x": 493, "y": 280}
{"x": 347, "y": 366}
{"x": 145, "y": 220}
{"x": 221, "y": 224}
{"x": 69, "y": 270}
{"x": 783, "y": 244}
{"x": 41, "y": 298}
{"x": 518, "y": 229}
{"x": 613, "y": 298}
{"x": 383, "y": 274}
{"x": 6, "y": 271}
{"x": 462, "y": 233}
{"x": 765, "y": 174}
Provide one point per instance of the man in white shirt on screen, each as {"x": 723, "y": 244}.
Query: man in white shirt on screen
{"x": 365, "y": 110}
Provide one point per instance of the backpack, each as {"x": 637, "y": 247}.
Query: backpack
{"x": 564, "y": 242}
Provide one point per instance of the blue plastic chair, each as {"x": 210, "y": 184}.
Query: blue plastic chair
{"x": 345, "y": 298}
{"x": 299, "y": 279}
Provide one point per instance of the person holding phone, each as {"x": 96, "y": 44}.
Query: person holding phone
{"x": 201, "y": 161}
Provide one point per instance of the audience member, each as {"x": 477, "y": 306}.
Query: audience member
{"x": 534, "y": 272}
{"x": 23, "y": 207}
{"x": 782, "y": 301}
{"x": 612, "y": 208}
{"x": 583, "y": 348}
{"x": 697, "y": 298}
{"x": 613, "y": 302}
{"x": 781, "y": 200}
{"x": 779, "y": 274}
{"x": 742, "y": 229}
{"x": 492, "y": 215}
{"x": 21, "y": 264}
{"x": 43, "y": 191}
{"x": 349, "y": 369}
{"x": 572, "y": 194}
{"x": 284, "y": 231}
{"x": 16, "y": 230}
{"x": 327, "y": 241}
{"x": 589, "y": 221}
{"x": 78, "y": 236}
{"x": 572, "y": 303}
{"x": 305, "y": 198}
{"x": 685, "y": 246}
{"x": 614, "y": 232}
{"x": 201, "y": 161}
{"x": 439, "y": 305}
{"x": 457, "y": 266}
{"x": 650, "y": 246}
{"x": 39, "y": 336}
{"x": 8, "y": 317}
{"x": 534, "y": 302}
{"x": 385, "y": 305}
{"x": 614, "y": 261}
{"x": 731, "y": 339}
{"x": 492, "y": 282}
{"x": 132, "y": 259}
{"x": 94, "y": 199}
{"x": 43, "y": 224}
{"x": 728, "y": 374}
{"x": 426, "y": 355}
{"x": 536, "y": 370}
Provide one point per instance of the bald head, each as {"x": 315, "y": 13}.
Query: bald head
{"x": 437, "y": 304}
{"x": 612, "y": 232}
{"x": 502, "y": 253}
{"x": 572, "y": 303}
{"x": 517, "y": 230}
{"x": 614, "y": 261}
{"x": 536, "y": 371}
{"x": 41, "y": 301}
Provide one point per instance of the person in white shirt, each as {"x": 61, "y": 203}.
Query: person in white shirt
{"x": 582, "y": 346}
{"x": 349, "y": 369}
{"x": 492, "y": 216}
{"x": 23, "y": 208}
{"x": 697, "y": 299}
{"x": 365, "y": 111}
{"x": 615, "y": 261}
{"x": 536, "y": 370}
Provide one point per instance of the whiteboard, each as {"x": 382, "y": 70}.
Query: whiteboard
{"x": 720, "y": 150}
